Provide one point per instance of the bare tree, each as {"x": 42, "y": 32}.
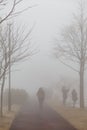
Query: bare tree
{"x": 3, "y": 64}
{"x": 4, "y": 4}
{"x": 72, "y": 48}
{"x": 20, "y": 50}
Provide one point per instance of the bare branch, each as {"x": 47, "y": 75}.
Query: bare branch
{"x": 69, "y": 66}
{"x": 12, "y": 12}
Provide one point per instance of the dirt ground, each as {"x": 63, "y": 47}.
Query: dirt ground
{"x": 76, "y": 116}
{"x": 6, "y": 121}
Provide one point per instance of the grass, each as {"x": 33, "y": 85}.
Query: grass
{"x": 8, "y": 117}
{"x": 76, "y": 116}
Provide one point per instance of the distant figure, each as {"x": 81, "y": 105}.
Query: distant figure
{"x": 74, "y": 97}
{"x": 65, "y": 92}
{"x": 41, "y": 97}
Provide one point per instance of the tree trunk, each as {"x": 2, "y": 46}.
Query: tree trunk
{"x": 1, "y": 111}
{"x": 9, "y": 100}
{"x": 2, "y": 88}
{"x": 9, "y": 89}
{"x": 82, "y": 86}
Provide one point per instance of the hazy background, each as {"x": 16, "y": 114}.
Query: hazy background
{"x": 43, "y": 70}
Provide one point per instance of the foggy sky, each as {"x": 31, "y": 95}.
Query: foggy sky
{"x": 42, "y": 69}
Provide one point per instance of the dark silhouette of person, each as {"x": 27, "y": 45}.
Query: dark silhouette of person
{"x": 41, "y": 97}
{"x": 65, "y": 92}
{"x": 74, "y": 97}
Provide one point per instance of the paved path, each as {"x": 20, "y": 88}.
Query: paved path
{"x": 32, "y": 118}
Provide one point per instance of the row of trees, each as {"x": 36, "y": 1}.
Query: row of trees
{"x": 72, "y": 48}
{"x": 14, "y": 45}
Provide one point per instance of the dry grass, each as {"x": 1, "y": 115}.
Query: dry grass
{"x": 77, "y": 117}
{"x": 6, "y": 121}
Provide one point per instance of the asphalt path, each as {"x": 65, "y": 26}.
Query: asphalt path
{"x": 31, "y": 117}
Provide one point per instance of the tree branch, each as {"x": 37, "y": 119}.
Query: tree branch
{"x": 69, "y": 66}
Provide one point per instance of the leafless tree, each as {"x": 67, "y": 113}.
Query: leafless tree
{"x": 20, "y": 50}
{"x": 8, "y": 13}
{"x": 72, "y": 48}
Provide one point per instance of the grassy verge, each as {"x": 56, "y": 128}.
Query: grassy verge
{"x": 6, "y": 121}
{"x": 77, "y": 117}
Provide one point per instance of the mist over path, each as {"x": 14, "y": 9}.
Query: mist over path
{"x": 31, "y": 117}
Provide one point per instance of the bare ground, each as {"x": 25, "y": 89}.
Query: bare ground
{"x": 8, "y": 117}
{"x": 76, "y": 116}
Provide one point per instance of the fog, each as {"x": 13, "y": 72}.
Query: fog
{"x": 42, "y": 69}
{"x": 43, "y": 63}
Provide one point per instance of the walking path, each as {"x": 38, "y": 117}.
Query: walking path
{"x": 31, "y": 117}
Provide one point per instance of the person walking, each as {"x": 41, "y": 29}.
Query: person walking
{"x": 65, "y": 92}
{"x": 41, "y": 97}
{"x": 74, "y": 97}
